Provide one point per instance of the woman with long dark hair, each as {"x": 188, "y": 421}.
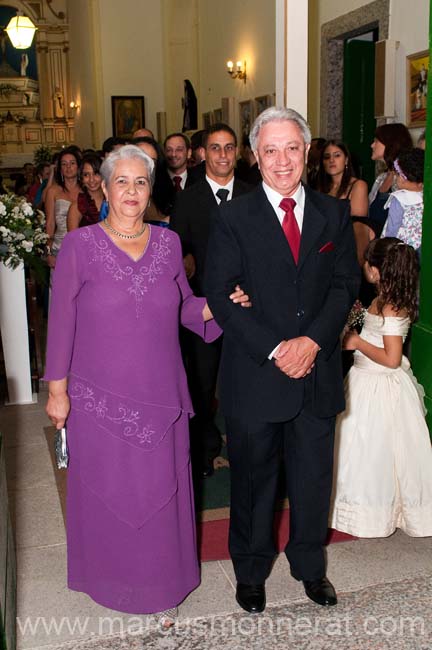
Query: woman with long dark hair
{"x": 336, "y": 177}
{"x": 87, "y": 208}
{"x": 389, "y": 141}
{"x": 59, "y": 198}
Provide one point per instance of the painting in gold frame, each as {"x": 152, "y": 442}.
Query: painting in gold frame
{"x": 417, "y": 84}
{"x": 127, "y": 115}
{"x": 246, "y": 116}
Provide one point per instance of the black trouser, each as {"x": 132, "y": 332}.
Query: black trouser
{"x": 254, "y": 450}
{"x": 202, "y": 365}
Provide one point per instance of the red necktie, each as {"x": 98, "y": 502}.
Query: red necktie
{"x": 290, "y": 226}
{"x": 177, "y": 183}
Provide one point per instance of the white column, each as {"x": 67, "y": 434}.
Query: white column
{"x": 292, "y": 54}
{"x": 14, "y": 334}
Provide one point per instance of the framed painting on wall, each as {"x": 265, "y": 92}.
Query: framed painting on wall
{"x": 207, "y": 119}
{"x": 246, "y": 116}
{"x": 217, "y": 115}
{"x": 417, "y": 83}
{"x": 261, "y": 103}
{"x": 127, "y": 115}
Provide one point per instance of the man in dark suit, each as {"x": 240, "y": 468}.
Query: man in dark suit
{"x": 191, "y": 220}
{"x": 292, "y": 250}
{"x": 177, "y": 151}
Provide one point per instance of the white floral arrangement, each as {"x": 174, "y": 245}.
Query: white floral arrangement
{"x": 22, "y": 233}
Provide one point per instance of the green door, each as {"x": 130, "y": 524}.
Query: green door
{"x": 358, "y": 104}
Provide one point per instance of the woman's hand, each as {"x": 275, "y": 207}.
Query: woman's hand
{"x": 189, "y": 265}
{"x": 51, "y": 261}
{"x": 58, "y": 405}
{"x": 239, "y": 296}
{"x": 350, "y": 341}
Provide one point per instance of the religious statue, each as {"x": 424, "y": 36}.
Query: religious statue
{"x": 58, "y": 103}
{"x": 24, "y": 64}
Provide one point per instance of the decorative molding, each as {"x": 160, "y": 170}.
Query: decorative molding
{"x": 60, "y": 15}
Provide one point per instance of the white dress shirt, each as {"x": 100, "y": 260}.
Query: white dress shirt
{"x": 275, "y": 198}
{"x": 183, "y": 177}
{"x": 215, "y": 187}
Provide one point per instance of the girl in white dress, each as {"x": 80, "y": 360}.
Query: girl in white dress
{"x": 383, "y": 454}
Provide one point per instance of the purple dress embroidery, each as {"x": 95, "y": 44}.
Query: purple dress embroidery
{"x": 113, "y": 330}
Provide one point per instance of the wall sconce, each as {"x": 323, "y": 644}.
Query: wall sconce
{"x": 74, "y": 106}
{"x": 21, "y": 30}
{"x": 239, "y": 72}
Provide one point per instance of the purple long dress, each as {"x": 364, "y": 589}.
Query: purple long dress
{"x": 114, "y": 331}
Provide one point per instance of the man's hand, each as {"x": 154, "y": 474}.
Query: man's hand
{"x": 296, "y": 357}
{"x": 189, "y": 265}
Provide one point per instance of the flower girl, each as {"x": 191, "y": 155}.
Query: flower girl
{"x": 383, "y": 454}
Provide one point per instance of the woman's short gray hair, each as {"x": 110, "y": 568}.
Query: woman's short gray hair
{"x": 276, "y": 114}
{"x": 127, "y": 152}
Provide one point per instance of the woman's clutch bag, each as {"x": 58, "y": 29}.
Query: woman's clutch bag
{"x": 61, "y": 449}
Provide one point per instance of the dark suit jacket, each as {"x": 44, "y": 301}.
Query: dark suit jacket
{"x": 248, "y": 246}
{"x": 195, "y": 174}
{"x": 190, "y": 219}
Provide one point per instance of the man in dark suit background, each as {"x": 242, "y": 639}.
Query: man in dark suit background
{"x": 191, "y": 220}
{"x": 177, "y": 151}
{"x": 292, "y": 250}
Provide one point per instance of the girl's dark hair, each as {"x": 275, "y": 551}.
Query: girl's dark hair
{"x": 325, "y": 180}
{"x": 398, "y": 267}
{"x": 95, "y": 163}
{"x": 395, "y": 138}
{"x": 69, "y": 151}
{"x": 411, "y": 163}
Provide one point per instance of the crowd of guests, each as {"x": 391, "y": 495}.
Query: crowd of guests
{"x": 137, "y": 264}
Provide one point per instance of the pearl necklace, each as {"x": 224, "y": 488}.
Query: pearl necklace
{"x": 122, "y": 235}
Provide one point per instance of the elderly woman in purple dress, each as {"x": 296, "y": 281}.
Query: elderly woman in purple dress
{"x": 115, "y": 373}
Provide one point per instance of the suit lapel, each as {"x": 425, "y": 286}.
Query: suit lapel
{"x": 314, "y": 223}
{"x": 207, "y": 193}
{"x": 268, "y": 228}
{"x": 237, "y": 191}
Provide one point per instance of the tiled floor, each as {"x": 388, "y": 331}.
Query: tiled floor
{"x": 50, "y": 614}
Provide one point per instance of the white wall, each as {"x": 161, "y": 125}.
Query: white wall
{"x": 331, "y": 9}
{"x": 116, "y": 49}
{"x": 86, "y": 81}
{"x": 132, "y": 61}
{"x": 148, "y": 47}
{"x": 236, "y": 30}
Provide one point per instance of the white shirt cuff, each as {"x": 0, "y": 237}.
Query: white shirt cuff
{"x": 273, "y": 352}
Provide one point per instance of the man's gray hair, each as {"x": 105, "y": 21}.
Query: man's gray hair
{"x": 278, "y": 114}
{"x": 127, "y": 152}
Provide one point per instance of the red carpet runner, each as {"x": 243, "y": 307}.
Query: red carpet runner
{"x": 213, "y": 537}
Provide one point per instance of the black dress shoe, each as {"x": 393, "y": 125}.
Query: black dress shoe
{"x": 320, "y": 591}
{"x": 251, "y": 598}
